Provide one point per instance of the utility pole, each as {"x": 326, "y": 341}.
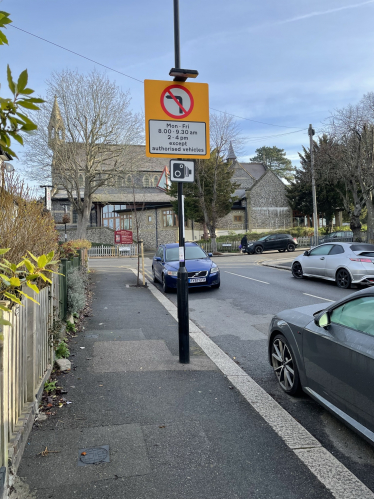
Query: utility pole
{"x": 311, "y": 132}
{"x": 182, "y": 281}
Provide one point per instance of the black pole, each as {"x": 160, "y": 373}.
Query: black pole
{"x": 182, "y": 281}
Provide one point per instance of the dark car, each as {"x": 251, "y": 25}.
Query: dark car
{"x": 201, "y": 270}
{"x": 342, "y": 235}
{"x": 280, "y": 242}
{"x": 329, "y": 354}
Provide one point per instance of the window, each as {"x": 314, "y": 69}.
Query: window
{"x": 126, "y": 221}
{"x": 128, "y": 181}
{"x": 80, "y": 180}
{"x": 146, "y": 181}
{"x": 362, "y": 247}
{"x": 238, "y": 218}
{"x": 192, "y": 253}
{"x": 321, "y": 250}
{"x": 356, "y": 314}
{"x": 155, "y": 180}
{"x": 272, "y": 238}
{"x": 169, "y": 218}
{"x": 160, "y": 252}
{"x": 336, "y": 250}
{"x": 149, "y": 219}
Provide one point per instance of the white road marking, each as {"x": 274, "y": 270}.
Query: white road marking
{"x": 245, "y": 277}
{"x": 319, "y": 297}
{"x": 341, "y": 482}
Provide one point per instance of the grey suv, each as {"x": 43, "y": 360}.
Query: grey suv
{"x": 280, "y": 242}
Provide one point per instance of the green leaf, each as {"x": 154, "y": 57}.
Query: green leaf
{"x": 3, "y": 322}
{"x": 13, "y": 266}
{"x": 34, "y": 287}
{"x": 35, "y": 100}
{"x": 5, "y": 277}
{"x": 27, "y": 105}
{"x": 3, "y": 251}
{"x": 27, "y": 91}
{"x": 32, "y": 256}
{"x": 45, "y": 279}
{"x": 50, "y": 256}
{"x": 14, "y": 281}
{"x": 32, "y": 277}
{"x": 30, "y": 267}
{"x": 29, "y": 297}
{"x": 28, "y": 127}
{"x": 11, "y": 83}
{"x": 12, "y": 297}
{"x": 3, "y": 39}
{"x": 4, "y": 308}
{"x": 42, "y": 261}
{"x": 22, "y": 80}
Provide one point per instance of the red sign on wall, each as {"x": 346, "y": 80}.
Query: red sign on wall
{"x": 123, "y": 237}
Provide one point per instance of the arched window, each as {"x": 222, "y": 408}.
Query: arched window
{"x": 81, "y": 180}
{"x": 146, "y": 181}
{"x": 128, "y": 181}
{"x": 155, "y": 180}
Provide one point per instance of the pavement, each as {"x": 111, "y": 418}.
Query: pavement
{"x": 161, "y": 429}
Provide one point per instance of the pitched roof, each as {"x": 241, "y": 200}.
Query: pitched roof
{"x": 231, "y": 155}
{"x": 255, "y": 170}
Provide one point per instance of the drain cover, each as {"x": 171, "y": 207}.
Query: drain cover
{"x": 94, "y": 455}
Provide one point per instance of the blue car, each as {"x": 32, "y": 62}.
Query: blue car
{"x": 201, "y": 270}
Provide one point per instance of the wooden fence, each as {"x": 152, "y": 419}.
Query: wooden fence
{"x": 26, "y": 359}
{"x": 113, "y": 251}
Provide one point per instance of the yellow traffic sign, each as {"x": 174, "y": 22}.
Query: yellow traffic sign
{"x": 176, "y": 119}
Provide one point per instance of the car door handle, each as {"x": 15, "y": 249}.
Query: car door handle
{"x": 322, "y": 258}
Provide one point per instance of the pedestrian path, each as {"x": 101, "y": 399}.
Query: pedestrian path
{"x": 157, "y": 429}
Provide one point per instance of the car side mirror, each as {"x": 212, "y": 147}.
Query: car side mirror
{"x": 306, "y": 253}
{"x": 210, "y": 254}
{"x": 157, "y": 259}
{"x": 322, "y": 320}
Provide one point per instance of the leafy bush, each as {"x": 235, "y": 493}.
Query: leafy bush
{"x": 50, "y": 386}
{"x": 76, "y": 282}
{"x": 67, "y": 250}
{"x": 70, "y": 327}
{"x": 62, "y": 351}
{"x": 81, "y": 244}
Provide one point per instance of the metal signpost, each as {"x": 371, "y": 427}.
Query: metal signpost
{"x": 177, "y": 126}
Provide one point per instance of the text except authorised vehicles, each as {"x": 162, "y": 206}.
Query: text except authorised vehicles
{"x": 184, "y": 137}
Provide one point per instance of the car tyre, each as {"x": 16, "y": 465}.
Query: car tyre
{"x": 290, "y": 247}
{"x": 284, "y": 365}
{"x": 297, "y": 270}
{"x": 165, "y": 287}
{"x": 259, "y": 250}
{"x": 154, "y": 275}
{"x": 343, "y": 279}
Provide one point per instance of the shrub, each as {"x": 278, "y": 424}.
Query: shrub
{"x": 81, "y": 244}
{"x": 76, "y": 282}
{"x": 62, "y": 351}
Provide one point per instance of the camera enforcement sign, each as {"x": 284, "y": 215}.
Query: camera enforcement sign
{"x": 176, "y": 119}
{"x": 182, "y": 171}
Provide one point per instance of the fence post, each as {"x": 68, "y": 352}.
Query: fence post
{"x": 64, "y": 263}
{"x": 80, "y": 258}
{"x": 31, "y": 352}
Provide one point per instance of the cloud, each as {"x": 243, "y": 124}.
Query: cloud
{"x": 322, "y": 13}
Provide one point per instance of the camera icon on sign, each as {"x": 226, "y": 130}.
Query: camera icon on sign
{"x": 180, "y": 170}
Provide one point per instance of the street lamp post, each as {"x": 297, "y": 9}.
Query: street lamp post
{"x": 311, "y": 132}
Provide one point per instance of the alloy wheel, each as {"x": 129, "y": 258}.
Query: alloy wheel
{"x": 297, "y": 270}
{"x": 283, "y": 364}
{"x": 290, "y": 247}
{"x": 258, "y": 249}
{"x": 343, "y": 279}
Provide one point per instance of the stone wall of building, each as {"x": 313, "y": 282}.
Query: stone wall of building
{"x": 100, "y": 235}
{"x": 268, "y": 206}
{"x": 229, "y": 223}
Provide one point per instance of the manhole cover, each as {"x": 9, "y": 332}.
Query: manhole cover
{"x": 94, "y": 455}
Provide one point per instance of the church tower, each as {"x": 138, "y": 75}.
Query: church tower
{"x": 56, "y": 128}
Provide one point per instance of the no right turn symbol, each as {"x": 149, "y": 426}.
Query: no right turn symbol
{"x": 177, "y": 102}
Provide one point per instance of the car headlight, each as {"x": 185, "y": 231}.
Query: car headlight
{"x": 249, "y": 245}
{"x": 214, "y": 270}
{"x": 173, "y": 272}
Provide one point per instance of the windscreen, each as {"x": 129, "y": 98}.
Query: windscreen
{"x": 192, "y": 253}
{"x": 362, "y": 247}
{"x": 262, "y": 238}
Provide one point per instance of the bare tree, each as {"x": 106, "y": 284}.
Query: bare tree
{"x": 83, "y": 137}
{"x": 213, "y": 176}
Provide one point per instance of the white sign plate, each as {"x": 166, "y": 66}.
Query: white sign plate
{"x": 182, "y": 171}
{"x": 182, "y": 138}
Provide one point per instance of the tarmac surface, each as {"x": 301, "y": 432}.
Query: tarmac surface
{"x": 162, "y": 429}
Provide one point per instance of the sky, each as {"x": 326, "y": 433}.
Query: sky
{"x": 276, "y": 66}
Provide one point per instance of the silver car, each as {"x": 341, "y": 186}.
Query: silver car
{"x": 344, "y": 263}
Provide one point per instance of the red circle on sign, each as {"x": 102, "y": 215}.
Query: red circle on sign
{"x": 185, "y": 112}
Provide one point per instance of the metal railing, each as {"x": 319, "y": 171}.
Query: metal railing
{"x": 113, "y": 251}
{"x": 26, "y": 358}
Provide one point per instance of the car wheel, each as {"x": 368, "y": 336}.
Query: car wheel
{"x": 290, "y": 247}
{"x": 284, "y": 365}
{"x": 259, "y": 250}
{"x": 282, "y": 251}
{"x": 216, "y": 286}
{"x": 154, "y": 275}
{"x": 165, "y": 287}
{"x": 297, "y": 270}
{"x": 343, "y": 279}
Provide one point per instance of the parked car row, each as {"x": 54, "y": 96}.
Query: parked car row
{"x": 280, "y": 242}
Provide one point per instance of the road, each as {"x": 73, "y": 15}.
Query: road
{"x": 236, "y": 317}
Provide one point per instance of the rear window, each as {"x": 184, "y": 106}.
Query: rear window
{"x": 362, "y": 247}
{"x": 367, "y": 253}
